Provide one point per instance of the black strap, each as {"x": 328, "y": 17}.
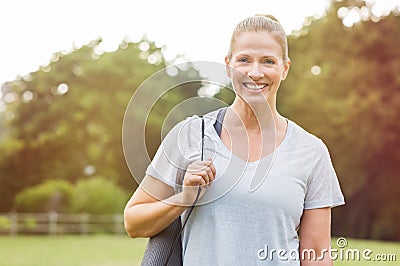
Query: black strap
{"x": 178, "y": 237}
{"x": 202, "y": 140}
{"x": 219, "y": 120}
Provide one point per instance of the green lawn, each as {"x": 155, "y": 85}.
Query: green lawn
{"x": 119, "y": 250}
{"x": 380, "y": 248}
{"x": 85, "y": 250}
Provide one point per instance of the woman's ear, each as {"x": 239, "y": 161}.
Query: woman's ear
{"x": 286, "y": 67}
{"x": 227, "y": 67}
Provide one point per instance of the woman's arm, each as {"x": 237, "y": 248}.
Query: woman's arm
{"x": 315, "y": 237}
{"x": 146, "y": 215}
{"x": 154, "y": 206}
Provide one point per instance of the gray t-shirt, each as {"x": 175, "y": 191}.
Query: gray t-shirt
{"x": 251, "y": 212}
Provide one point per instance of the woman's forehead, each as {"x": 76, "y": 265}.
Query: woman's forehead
{"x": 258, "y": 54}
{"x": 260, "y": 43}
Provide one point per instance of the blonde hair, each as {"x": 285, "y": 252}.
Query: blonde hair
{"x": 258, "y": 23}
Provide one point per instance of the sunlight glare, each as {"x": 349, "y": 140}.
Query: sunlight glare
{"x": 62, "y": 89}
{"x": 364, "y": 13}
{"x": 352, "y": 17}
{"x": 144, "y": 46}
{"x": 10, "y": 97}
{"x": 152, "y": 59}
{"x": 342, "y": 12}
{"x": 172, "y": 71}
{"x": 316, "y": 70}
{"x": 208, "y": 90}
{"x": 27, "y": 96}
{"x": 89, "y": 170}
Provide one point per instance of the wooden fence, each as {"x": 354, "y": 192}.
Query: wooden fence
{"x": 59, "y": 223}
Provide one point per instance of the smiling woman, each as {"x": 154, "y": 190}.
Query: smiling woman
{"x": 261, "y": 56}
{"x": 282, "y": 176}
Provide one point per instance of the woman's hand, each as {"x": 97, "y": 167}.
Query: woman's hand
{"x": 150, "y": 210}
{"x": 198, "y": 174}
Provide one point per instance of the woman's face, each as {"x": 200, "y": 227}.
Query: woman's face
{"x": 256, "y": 67}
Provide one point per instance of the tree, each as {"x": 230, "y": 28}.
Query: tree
{"x": 66, "y": 119}
{"x": 52, "y": 195}
{"x": 343, "y": 87}
{"x": 98, "y": 195}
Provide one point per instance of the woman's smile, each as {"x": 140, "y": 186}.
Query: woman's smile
{"x": 260, "y": 87}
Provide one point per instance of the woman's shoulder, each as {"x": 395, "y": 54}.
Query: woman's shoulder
{"x": 194, "y": 120}
{"x": 184, "y": 127}
{"x": 190, "y": 128}
{"x": 303, "y": 137}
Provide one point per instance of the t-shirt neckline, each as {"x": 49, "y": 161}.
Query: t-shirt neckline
{"x": 271, "y": 154}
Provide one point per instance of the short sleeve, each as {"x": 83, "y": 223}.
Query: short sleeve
{"x": 177, "y": 150}
{"x": 323, "y": 189}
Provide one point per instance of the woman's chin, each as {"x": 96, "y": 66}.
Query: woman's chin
{"x": 252, "y": 99}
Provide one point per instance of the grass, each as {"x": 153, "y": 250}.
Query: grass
{"x": 377, "y": 247}
{"x": 85, "y": 250}
{"x": 119, "y": 250}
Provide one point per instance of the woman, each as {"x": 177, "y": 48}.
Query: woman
{"x": 266, "y": 178}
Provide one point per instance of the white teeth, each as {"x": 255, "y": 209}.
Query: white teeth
{"x": 255, "y": 87}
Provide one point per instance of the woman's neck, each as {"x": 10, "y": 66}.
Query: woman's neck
{"x": 256, "y": 117}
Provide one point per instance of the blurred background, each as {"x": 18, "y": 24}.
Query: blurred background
{"x": 69, "y": 69}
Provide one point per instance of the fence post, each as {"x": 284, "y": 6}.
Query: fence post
{"x": 53, "y": 217}
{"x": 84, "y": 223}
{"x": 118, "y": 220}
{"x": 53, "y": 223}
{"x": 13, "y": 223}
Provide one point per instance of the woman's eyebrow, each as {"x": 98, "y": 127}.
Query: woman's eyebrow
{"x": 270, "y": 56}
{"x": 262, "y": 57}
{"x": 242, "y": 54}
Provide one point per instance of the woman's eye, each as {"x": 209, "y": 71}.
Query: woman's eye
{"x": 242, "y": 60}
{"x": 269, "y": 61}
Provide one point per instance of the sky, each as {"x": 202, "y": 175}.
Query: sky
{"x": 31, "y": 31}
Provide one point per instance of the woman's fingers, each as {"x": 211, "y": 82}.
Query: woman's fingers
{"x": 212, "y": 167}
{"x": 199, "y": 180}
{"x": 196, "y": 179}
{"x": 203, "y": 170}
{"x": 198, "y": 174}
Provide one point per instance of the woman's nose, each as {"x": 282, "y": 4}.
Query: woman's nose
{"x": 255, "y": 72}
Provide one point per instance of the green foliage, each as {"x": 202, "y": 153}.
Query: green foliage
{"x": 5, "y": 223}
{"x": 97, "y": 195}
{"x": 68, "y": 116}
{"x": 52, "y": 195}
{"x": 226, "y": 95}
{"x": 353, "y": 104}
{"x": 30, "y": 224}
